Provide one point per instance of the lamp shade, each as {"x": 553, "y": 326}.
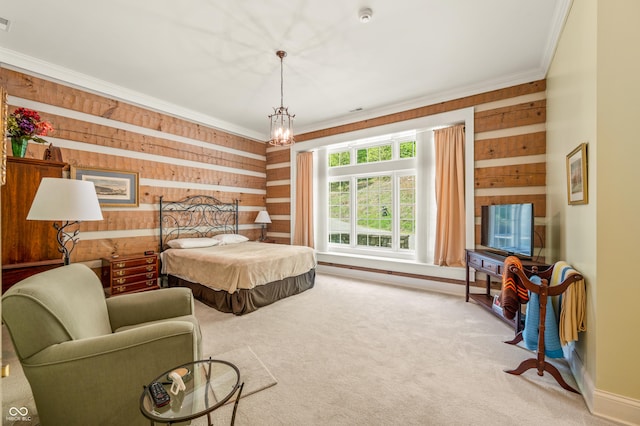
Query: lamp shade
{"x": 65, "y": 199}
{"x": 263, "y": 217}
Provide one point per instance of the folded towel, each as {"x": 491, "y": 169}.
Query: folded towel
{"x": 512, "y": 294}
{"x": 572, "y": 303}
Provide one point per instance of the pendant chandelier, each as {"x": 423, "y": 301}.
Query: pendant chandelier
{"x": 281, "y": 133}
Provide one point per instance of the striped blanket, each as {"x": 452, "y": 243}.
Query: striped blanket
{"x": 512, "y": 295}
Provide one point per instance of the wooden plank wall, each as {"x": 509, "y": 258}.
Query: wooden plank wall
{"x": 510, "y": 148}
{"x": 174, "y": 157}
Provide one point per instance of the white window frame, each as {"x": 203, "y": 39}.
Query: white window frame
{"x": 353, "y": 247}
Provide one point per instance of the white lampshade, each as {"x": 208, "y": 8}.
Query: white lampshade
{"x": 65, "y": 199}
{"x": 263, "y": 217}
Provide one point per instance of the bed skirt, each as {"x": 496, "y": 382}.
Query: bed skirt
{"x": 244, "y": 301}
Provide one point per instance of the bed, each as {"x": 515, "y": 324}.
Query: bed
{"x": 201, "y": 248}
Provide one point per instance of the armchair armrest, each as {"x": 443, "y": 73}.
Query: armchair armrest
{"x": 137, "y": 308}
{"x": 109, "y": 344}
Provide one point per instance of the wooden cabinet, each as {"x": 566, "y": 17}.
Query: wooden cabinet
{"x": 492, "y": 265}
{"x": 130, "y": 274}
{"x": 28, "y": 246}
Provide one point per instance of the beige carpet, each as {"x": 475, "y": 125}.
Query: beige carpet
{"x": 253, "y": 372}
{"x": 351, "y": 352}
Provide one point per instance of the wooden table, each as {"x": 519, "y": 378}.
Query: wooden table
{"x": 492, "y": 264}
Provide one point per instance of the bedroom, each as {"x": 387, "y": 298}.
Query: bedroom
{"x": 98, "y": 131}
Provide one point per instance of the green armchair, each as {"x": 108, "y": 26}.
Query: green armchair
{"x": 87, "y": 357}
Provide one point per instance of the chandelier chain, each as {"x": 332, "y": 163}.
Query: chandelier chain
{"x": 281, "y": 84}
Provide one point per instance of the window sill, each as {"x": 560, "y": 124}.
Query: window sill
{"x": 394, "y": 265}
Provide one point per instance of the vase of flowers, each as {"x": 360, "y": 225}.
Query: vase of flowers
{"x": 24, "y": 125}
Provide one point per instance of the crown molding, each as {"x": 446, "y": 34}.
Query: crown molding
{"x": 46, "y": 70}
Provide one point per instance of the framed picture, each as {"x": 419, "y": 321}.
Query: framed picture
{"x": 577, "y": 188}
{"x": 114, "y": 188}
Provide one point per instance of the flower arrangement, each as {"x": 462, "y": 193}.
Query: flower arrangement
{"x": 25, "y": 123}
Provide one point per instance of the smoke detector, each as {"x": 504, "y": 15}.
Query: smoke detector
{"x": 4, "y": 24}
{"x": 365, "y": 15}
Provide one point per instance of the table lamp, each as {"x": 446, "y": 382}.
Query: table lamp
{"x": 69, "y": 201}
{"x": 263, "y": 218}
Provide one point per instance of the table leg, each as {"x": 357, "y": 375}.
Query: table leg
{"x": 488, "y": 285}
{"x": 467, "y": 281}
{"x": 235, "y": 405}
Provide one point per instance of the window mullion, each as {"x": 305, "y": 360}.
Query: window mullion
{"x": 395, "y": 224}
{"x": 353, "y": 220}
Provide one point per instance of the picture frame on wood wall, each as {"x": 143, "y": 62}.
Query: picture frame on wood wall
{"x": 115, "y": 188}
{"x": 577, "y": 182}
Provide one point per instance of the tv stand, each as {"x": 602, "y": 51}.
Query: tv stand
{"x": 492, "y": 264}
{"x": 505, "y": 254}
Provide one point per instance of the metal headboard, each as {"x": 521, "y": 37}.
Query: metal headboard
{"x": 196, "y": 217}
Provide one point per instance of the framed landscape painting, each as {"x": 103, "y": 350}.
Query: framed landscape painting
{"x": 114, "y": 188}
{"x": 577, "y": 188}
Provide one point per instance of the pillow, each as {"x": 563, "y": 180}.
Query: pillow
{"x": 230, "y": 238}
{"x": 183, "y": 243}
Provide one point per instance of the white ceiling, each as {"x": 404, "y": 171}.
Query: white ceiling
{"x": 214, "y": 60}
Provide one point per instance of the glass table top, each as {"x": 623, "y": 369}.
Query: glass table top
{"x": 209, "y": 384}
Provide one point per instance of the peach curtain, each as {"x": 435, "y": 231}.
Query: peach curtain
{"x": 450, "y": 223}
{"x": 303, "y": 231}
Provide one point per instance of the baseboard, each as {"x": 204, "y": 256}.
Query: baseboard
{"x": 616, "y": 408}
{"x": 606, "y": 405}
{"x": 401, "y": 281}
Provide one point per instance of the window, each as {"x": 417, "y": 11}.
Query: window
{"x": 374, "y": 154}
{"x": 372, "y": 196}
{"x": 339, "y": 159}
{"x": 407, "y": 211}
{"x": 408, "y": 149}
{"x": 339, "y": 212}
{"x": 375, "y": 204}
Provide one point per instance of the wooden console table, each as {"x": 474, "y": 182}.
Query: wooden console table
{"x": 491, "y": 264}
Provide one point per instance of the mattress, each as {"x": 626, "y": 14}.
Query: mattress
{"x": 233, "y": 267}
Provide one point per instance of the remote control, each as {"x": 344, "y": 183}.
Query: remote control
{"x": 158, "y": 394}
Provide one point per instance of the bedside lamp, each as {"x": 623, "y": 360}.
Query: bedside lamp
{"x": 69, "y": 201}
{"x": 263, "y": 218}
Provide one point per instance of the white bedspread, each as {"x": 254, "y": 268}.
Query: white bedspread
{"x": 238, "y": 266}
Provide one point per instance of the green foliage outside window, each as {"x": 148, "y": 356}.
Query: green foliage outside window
{"x": 408, "y": 149}
{"x": 374, "y": 154}
{"x": 339, "y": 212}
{"x": 339, "y": 159}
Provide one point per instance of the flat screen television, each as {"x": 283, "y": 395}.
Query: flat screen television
{"x": 508, "y": 228}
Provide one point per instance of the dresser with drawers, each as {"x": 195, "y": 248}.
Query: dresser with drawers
{"x": 130, "y": 274}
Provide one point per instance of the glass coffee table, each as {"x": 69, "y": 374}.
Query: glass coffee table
{"x": 209, "y": 385}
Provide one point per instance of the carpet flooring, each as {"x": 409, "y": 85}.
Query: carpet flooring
{"x": 253, "y": 372}
{"x": 350, "y": 352}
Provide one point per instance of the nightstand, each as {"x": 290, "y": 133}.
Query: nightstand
{"x": 130, "y": 274}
